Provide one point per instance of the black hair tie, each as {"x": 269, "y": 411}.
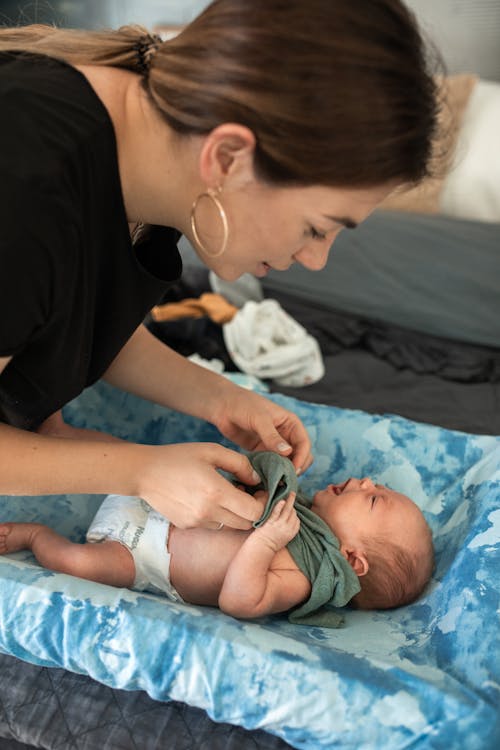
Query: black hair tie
{"x": 144, "y": 49}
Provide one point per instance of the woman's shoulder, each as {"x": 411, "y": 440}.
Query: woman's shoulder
{"x": 49, "y": 114}
{"x": 28, "y": 79}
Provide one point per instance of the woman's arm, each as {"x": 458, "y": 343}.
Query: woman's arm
{"x": 150, "y": 369}
{"x": 32, "y": 464}
{"x": 179, "y": 481}
{"x": 252, "y": 586}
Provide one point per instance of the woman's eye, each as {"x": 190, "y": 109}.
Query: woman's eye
{"x": 316, "y": 235}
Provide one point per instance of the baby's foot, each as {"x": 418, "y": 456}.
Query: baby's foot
{"x": 17, "y": 536}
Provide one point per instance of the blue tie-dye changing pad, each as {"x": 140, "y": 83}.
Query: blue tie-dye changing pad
{"x": 425, "y": 676}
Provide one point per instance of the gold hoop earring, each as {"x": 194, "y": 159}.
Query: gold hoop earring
{"x": 211, "y": 194}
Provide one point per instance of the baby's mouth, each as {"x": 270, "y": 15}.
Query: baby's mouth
{"x": 338, "y": 489}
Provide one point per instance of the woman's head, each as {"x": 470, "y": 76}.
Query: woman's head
{"x": 339, "y": 101}
{"x": 336, "y": 92}
{"x": 307, "y": 109}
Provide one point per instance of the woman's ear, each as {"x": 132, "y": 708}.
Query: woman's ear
{"x": 226, "y": 156}
{"x": 356, "y": 559}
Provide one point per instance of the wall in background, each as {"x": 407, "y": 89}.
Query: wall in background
{"x": 466, "y": 31}
{"x": 99, "y": 13}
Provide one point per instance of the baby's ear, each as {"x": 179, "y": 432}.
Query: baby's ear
{"x": 356, "y": 559}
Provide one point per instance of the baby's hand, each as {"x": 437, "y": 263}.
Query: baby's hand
{"x": 281, "y": 526}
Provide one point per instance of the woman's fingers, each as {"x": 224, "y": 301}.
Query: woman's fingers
{"x": 238, "y": 509}
{"x": 186, "y": 483}
{"x": 235, "y": 463}
{"x": 257, "y": 423}
{"x": 305, "y": 463}
{"x": 290, "y": 439}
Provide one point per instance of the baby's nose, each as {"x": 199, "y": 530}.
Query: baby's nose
{"x": 366, "y": 483}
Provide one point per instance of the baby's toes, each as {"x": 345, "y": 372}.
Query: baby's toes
{"x": 14, "y": 537}
{"x": 4, "y": 532}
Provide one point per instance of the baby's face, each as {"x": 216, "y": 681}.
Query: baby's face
{"x": 359, "y": 509}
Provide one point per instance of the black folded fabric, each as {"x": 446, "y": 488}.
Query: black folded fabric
{"x": 403, "y": 348}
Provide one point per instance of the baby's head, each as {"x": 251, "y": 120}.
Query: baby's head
{"x": 384, "y": 537}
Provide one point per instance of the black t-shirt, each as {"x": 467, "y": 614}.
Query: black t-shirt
{"x": 72, "y": 287}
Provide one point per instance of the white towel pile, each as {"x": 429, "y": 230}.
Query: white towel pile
{"x": 263, "y": 340}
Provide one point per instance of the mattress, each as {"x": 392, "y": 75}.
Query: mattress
{"x": 427, "y": 675}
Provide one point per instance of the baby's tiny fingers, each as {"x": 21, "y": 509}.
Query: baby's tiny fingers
{"x": 278, "y": 508}
{"x": 289, "y": 503}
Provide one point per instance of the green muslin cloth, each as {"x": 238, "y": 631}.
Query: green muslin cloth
{"x": 315, "y": 549}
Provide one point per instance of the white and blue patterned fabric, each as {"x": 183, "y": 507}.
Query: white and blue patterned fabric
{"x": 424, "y": 676}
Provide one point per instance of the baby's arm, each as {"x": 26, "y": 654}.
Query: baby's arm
{"x": 253, "y": 587}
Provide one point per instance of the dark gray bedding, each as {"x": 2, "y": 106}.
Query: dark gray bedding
{"x": 53, "y": 708}
{"x": 382, "y": 368}
{"x": 431, "y": 274}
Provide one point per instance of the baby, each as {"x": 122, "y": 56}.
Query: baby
{"x": 357, "y": 542}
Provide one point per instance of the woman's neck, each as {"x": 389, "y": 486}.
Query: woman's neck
{"x": 156, "y": 166}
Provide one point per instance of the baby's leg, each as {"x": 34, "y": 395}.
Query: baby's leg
{"x": 105, "y": 562}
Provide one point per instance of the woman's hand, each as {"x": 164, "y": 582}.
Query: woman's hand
{"x": 182, "y": 483}
{"x": 256, "y": 423}
{"x": 149, "y": 369}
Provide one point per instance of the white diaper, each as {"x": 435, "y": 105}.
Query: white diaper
{"x": 144, "y": 532}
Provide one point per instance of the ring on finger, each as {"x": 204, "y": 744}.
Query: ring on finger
{"x": 219, "y": 526}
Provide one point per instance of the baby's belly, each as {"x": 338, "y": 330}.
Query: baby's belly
{"x": 199, "y": 561}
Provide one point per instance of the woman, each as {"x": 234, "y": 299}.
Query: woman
{"x": 259, "y": 132}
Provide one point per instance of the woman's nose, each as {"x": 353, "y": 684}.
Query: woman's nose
{"x": 314, "y": 255}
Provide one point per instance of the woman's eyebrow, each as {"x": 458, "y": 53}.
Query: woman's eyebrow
{"x": 344, "y": 220}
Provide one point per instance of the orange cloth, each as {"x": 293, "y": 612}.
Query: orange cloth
{"x": 215, "y": 306}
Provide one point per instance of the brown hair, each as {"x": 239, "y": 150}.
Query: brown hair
{"x": 396, "y": 576}
{"x": 337, "y": 92}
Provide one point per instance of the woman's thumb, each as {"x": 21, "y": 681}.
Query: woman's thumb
{"x": 274, "y": 442}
